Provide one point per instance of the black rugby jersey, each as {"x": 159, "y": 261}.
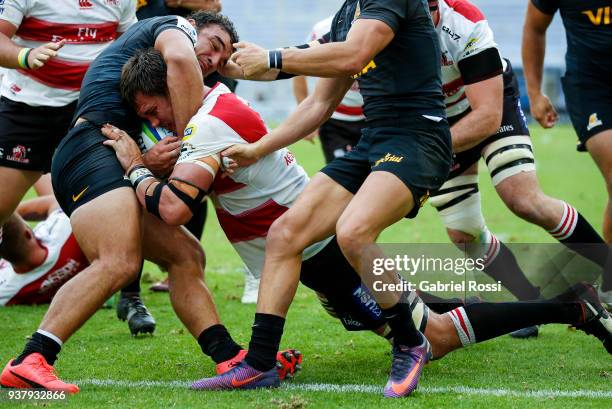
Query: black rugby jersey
{"x": 405, "y": 76}
{"x": 100, "y": 95}
{"x": 588, "y": 28}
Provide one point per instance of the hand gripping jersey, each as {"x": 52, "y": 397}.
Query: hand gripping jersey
{"x": 88, "y": 26}
{"x": 351, "y": 106}
{"x": 64, "y": 260}
{"x": 247, "y": 202}
{"x": 469, "y": 52}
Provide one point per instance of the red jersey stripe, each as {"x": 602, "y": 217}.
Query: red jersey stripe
{"x": 34, "y": 29}
{"x": 252, "y": 224}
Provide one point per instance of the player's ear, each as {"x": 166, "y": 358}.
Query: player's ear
{"x": 192, "y": 22}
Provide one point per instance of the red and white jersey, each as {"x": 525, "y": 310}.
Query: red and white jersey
{"x": 351, "y": 106}
{"x": 248, "y": 201}
{"x": 88, "y": 26}
{"x": 463, "y": 32}
{"x": 63, "y": 261}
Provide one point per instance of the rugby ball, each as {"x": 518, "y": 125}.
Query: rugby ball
{"x": 150, "y": 135}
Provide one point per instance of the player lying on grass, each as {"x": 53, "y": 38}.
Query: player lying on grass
{"x": 105, "y": 216}
{"x": 252, "y": 198}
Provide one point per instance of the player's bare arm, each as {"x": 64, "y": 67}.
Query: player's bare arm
{"x": 533, "y": 50}
{"x": 13, "y": 56}
{"x": 38, "y": 208}
{"x": 486, "y": 102}
{"x": 185, "y": 83}
{"x": 307, "y": 118}
{"x": 172, "y": 201}
{"x": 366, "y": 38}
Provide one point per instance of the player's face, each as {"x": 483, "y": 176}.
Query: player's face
{"x": 156, "y": 109}
{"x": 213, "y": 48}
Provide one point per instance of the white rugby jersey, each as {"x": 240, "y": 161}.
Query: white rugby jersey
{"x": 88, "y": 26}
{"x": 463, "y": 32}
{"x": 63, "y": 261}
{"x": 248, "y": 201}
{"x": 351, "y": 106}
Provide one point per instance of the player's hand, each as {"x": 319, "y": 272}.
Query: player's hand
{"x": 231, "y": 70}
{"x": 251, "y": 58}
{"x": 543, "y": 111}
{"x": 162, "y": 157}
{"x": 40, "y": 55}
{"x": 125, "y": 147}
{"x": 243, "y": 154}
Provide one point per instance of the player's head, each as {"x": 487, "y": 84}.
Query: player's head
{"x": 17, "y": 240}
{"x": 216, "y": 34}
{"x": 144, "y": 87}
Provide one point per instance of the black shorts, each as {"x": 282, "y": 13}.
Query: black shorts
{"x": 339, "y": 137}
{"x": 29, "y": 135}
{"x": 83, "y": 168}
{"x": 416, "y": 150}
{"x": 589, "y": 104}
{"x": 513, "y": 123}
{"x": 330, "y": 274}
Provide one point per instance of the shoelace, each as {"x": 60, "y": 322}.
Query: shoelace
{"x": 46, "y": 371}
{"x": 403, "y": 359}
{"x": 138, "y": 306}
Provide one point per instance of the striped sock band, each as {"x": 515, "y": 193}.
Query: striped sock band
{"x": 463, "y": 326}
{"x": 567, "y": 225}
{"x": 492, "y": 250}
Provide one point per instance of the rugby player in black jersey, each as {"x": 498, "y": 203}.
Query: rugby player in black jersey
{"x": 587, "y": 83}
{"x": 105, "y": 215}
{"x": 391, "y": 48}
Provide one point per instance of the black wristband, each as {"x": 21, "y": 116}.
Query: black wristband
{"x": 275, "y": 59}
{"x": 139, "y": 173}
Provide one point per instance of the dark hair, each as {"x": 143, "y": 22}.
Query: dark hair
{"x": 207, "y": 18}
{"x": 144, "y": 72}
{"x": 14, "y": 247}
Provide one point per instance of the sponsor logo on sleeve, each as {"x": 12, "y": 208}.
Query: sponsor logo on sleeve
{"x": 184, "y": 25}
{"x": 85, "y": 4}
{"x": 190, "y": 131}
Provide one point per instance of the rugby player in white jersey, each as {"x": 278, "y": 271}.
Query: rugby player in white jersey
{"x": 483, "y": 108}
{"x": 47, "y": 47}
{"x": 252, "y": 198}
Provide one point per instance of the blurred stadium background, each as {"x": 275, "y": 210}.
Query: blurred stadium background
{"x": 278, "y": 23}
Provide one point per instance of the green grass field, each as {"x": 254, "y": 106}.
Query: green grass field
{"x": 562, "y": 368}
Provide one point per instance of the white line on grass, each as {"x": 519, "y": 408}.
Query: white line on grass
{"x": 337, "y": 388}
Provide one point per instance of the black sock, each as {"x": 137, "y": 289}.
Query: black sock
{"x": 584, "y": 240}
{"x": 217, "y": 343}
{"x": 43, "y": 345}
{"x": 133, "y": 288}
{"x": 440, "y": 305}
{"x": 399, "y": 318}
{"x": 490, "y": 320}
{"x": 505, "y": 269}
{"x": 265, "y": 339}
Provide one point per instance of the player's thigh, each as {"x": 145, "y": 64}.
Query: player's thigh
{"x": 314, "y": 214}
{"x": 108, "y": 227}
{"x": 600, "y": 148}
{"x": 169, "y": 246}
{"x": 407, "y": 164}
{"x": 15, "y": 184}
